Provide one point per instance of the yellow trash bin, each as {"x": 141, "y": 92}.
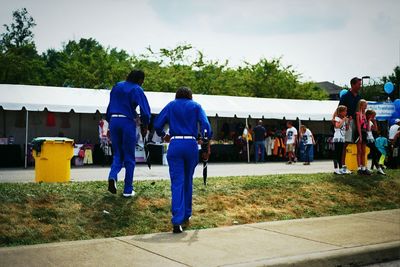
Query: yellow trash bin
{"x": 351, "y": 156}
{"x": 52, "y": 158}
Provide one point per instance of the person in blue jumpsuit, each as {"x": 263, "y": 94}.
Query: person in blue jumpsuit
{"x": 184, "y": 117}
{"x": 125, "y": 96}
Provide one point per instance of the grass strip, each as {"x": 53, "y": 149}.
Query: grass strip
{"x": 33, "y": 213}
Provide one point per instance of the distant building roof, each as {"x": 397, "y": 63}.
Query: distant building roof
{"x": 332, "y": 89}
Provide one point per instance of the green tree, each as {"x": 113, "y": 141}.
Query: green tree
{"x": 19, "y": 60}
{"x": 375, "y": 90}
{"x": 169, "y": 69}
{"x": 86, "y": 64}
{"x": 18, "y": 33}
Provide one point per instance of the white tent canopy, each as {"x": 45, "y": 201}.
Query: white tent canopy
{"x": 63, "y": 99}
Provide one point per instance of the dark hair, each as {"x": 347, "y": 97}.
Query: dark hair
{"x": 289, "y": 122}
{"x": 383, "y": 132}
{"x": 354, "y": 81}
{"x": 370, "y": 112}
{"x": 136, "y": 76}
{"x": 340, "y": 108}
{"x": 183, "y": 92}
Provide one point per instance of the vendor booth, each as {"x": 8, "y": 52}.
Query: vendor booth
{"x": 27, "y": 112}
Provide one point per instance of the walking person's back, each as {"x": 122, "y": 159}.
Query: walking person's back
{"x": 121, "y": 115}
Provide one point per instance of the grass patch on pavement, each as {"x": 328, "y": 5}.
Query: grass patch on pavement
{"x": 39, "y": 213}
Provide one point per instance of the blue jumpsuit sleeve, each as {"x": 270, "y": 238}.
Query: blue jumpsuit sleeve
{"x": 108, "y": 114}
{"x": 145, "y": 112}
{"x": 204, "y": 123}
{"x": 161, "y": 120}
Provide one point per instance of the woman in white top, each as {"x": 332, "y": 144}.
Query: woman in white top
{"x": 339, "y": 138}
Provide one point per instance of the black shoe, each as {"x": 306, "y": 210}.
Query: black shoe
{"x": 112, "y": 186}
{"x": 367, "y": 172}
{"x": 360, "y": 172}
{"x": 177, "y": 229}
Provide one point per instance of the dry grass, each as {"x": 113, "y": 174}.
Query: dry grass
{"x": 38, "y": 213}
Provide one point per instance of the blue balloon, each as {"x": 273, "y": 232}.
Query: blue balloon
{"x": 397, "y": 105}
{"x": 388, "y": 87}
{"x": 342, "y": 92}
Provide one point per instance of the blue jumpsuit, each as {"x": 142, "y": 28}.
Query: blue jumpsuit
{"x": 124, "y": 98}
{"x": 183, "y": 116}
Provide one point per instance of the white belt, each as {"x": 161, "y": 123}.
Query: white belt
{"x": 118, "y": 116}
{"x": 183, "y": 137}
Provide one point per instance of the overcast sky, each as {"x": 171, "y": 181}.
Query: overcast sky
{"x": 329, "y": 40}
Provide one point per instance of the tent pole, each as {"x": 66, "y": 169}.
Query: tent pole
{"x": 298, "y": 135}
{"x": 79, "y": 127}
{"x": 4, "y": 123}
{"x": 26, "y": 138}
{"x": 247, "y": 143}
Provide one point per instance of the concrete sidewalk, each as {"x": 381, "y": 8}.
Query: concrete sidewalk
{"x": 158, "y": 172}
{"x": 350, "y": 240}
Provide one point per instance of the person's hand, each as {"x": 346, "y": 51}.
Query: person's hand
{"x": 206, "y": 155}
{"x": 167, "y": 138}
{"x": 143, "y": 131}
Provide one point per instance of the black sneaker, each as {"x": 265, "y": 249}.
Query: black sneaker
{"x": 112, "y": 186}
{"x": 360, "y": 172}
{"x": 367, "y": 172}
{"x": 177, "y": 229}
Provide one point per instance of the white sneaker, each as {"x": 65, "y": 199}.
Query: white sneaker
{"x": 345, "y": 170}
{"x": 129, "y": 195}
{"x": 380, "y": 171}
{"x": 337, "y": 171}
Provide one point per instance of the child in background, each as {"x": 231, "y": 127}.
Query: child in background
{"x": 341, "y": 122}
{"x": 371, "y": 135}
{"x": 308, "y": 140}
{"x": 361, "y": 140}
{"x": 381, "y": 144}
{"x": 291, "y": 141}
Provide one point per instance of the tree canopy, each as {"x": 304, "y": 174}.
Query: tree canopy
{"x": 88, "y": 64}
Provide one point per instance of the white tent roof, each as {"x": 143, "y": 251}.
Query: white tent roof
{"x": 63, "y": 99}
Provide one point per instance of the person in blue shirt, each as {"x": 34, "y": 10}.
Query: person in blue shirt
{"x": 121, "y": 114}
{"x": 350, "y": 100}
{"x": 184, "y": 117}
{"x": 382, "y": 144}
{"x": 259, "y": 141}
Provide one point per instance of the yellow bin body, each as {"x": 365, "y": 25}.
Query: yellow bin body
{"x": 53, "y": 162}
{"x": 351, "y": 156}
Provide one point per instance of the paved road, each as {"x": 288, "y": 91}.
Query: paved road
{"x": 158, "y": 172}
